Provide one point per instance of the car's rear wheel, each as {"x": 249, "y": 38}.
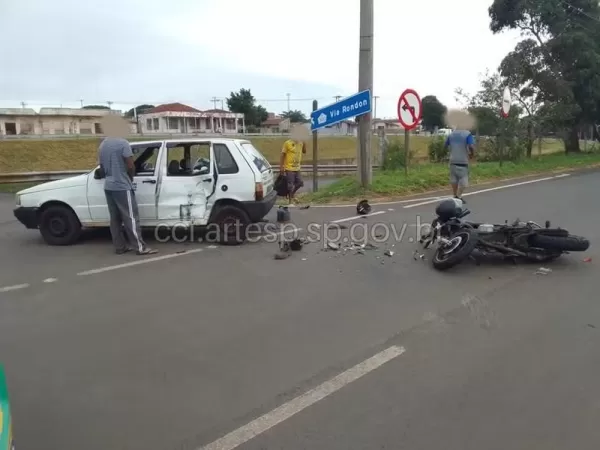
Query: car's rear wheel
{"x": 59, "y": 225}
{"x": 232, "y": 223}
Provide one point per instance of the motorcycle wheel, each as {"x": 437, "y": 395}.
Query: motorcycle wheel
{"x": 569, "y": 243}
{"x": 462, "y": 243}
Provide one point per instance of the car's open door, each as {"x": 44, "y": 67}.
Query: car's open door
{"x": 188, "y": 183}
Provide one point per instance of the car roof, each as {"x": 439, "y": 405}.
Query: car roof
{"x": 183, "y": 140}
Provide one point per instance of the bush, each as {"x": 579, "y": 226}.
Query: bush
{"x": 489, "y": 149}
{"x": 395, "y": 158}
{"x": 437, "y": 150}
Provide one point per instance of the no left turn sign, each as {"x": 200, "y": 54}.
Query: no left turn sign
{"x": 410, "y": 109}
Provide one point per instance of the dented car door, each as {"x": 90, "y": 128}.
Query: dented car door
{"x": 188, "y": 182}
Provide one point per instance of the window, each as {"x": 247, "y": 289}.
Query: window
{"x": 156, "y": 127}
{"x": 144, "y": 158}
{"x": 149, "y": 124}
{"x": 224, "y": 160}
{"x": 173, "y": 123}
{"x": 98, "y": 128}
{"x": 11, "y": 128}
{"x": 188, "y": 159}
{"x": 259, "y": 160}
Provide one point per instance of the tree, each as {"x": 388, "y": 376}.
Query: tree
{"x": 295, "y": 116}
{"x": 95, "y": 107}
{"x": 433, "y": 113}
{"x": 560, "y": 57}
{"x": 243, "y": 102}
{"x": 141, "y": 109}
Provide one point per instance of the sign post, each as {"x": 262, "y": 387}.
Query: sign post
{"x": 355, "y": 105}
{"x": 315, "y": 147}
{"x": 504, "y": 112}
{"x": 410, "y": 112}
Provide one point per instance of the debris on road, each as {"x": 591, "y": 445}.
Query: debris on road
{"x": 305, "y": 207}
{"x": 282, "y": 255}
{"x": 417, "y": 255}
{"x": 591, "y": 326}
{"x": 363, "y": 208}
{"x": 389, "y": 253}
{"x": 543, "y": 271}
{"x": 296, "y": 245}
{"x": 587, "y": 259}
{"x": 304, "y": 259}
{"x": 333, "y": 246}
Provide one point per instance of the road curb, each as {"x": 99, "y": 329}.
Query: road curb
{"x": 445, "y": 192}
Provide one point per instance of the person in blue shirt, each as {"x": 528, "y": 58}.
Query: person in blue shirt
{"x": 462, "y": 149}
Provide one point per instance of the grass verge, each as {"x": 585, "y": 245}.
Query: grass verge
{"x": 425, "y": 177}
{"x": 80, "y": 154}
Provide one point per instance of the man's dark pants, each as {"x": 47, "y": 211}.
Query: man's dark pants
{"x": 294, "y": 181}
{"x": 123, "y": 210}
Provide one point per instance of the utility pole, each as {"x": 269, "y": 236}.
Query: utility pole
{"x": 365, "y": 81}
{"x": 23, "y": 104}
{"x": 288, "y": 100}
{"x": 109, "y": 103}
{"x": 222, "y": 106}
{"x": 214, "y": 100}
{"x": 375, "y": 107}
{"x": 337, "y": 98}
{"x": 81, "y": 101}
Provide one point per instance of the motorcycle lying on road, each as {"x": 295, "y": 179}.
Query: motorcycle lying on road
{"x": 457, "y": 239}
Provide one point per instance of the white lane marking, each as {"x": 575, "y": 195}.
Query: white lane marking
{"x": 346, "y": 219}
{"x": 14, "y": 287}
{"x": 287, "y": 410}
{"x": 562, "y": 175}
{"x": 212, "y": 246}
{"x": 50, "y": 280}
{"x": 506, "y": 186}
{"x": 137, "y": 263}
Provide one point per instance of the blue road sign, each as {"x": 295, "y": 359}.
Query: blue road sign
{"x": 355, "y": 105}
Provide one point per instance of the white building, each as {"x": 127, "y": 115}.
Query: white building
{"x": 177, "y": 118}
{"x": 54, "y": 121}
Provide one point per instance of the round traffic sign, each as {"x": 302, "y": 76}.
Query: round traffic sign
{"x": 410, "y": 109}
{"x": 505, "y": 109}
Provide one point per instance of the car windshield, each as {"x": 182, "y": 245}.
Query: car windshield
{"x": 259, "y": 160}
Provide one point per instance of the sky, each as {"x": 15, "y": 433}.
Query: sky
{"x": 131, "y": 52}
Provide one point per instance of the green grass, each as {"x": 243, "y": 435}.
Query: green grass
{"x": 12, "y": 188}
{"x": 424, "y": 177}
{"x": 80, "y": 154}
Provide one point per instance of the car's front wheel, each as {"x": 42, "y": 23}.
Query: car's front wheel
{"x": 59, "y": 225}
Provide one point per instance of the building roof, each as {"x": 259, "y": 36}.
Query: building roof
{"x": 172, "y": 107}
{"x": 17, "y": 112}
{"x": 217, "y": 111}
{"x": 272, "y": 120}
{"x": 70, "y": 112}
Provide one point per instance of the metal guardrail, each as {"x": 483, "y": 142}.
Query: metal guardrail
{"x": 42, "y": 177}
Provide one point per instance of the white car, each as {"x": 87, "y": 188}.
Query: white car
{"x": 178, "y": 183}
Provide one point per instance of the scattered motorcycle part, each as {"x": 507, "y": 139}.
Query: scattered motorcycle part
{"x": 363, "y": 208}
{"x": 547, "y": 224}
{"x": 543, "y": 271}
{"x": 587, "y": 259}
{"x": 296, "y": 245}
{"x": 283, "y": 214}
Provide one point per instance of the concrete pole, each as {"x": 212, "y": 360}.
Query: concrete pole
{"x": 365, "y": 81}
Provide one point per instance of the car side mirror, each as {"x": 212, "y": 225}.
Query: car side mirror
{"x": 99, "y": 173}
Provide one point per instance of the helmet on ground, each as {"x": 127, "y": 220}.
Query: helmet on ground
{"x": 363, "y": 208}
{"x": 448, "y": 209}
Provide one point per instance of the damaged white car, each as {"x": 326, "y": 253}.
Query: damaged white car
{"x": 178, "y": 183}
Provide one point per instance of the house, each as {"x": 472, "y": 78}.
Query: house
{"x": 53, "y": 121}
{"x": 177, "y": 118}
{"x": 343, "y": 128}
{"x": 275, "y": 124}
{"x": 391, "y": 126}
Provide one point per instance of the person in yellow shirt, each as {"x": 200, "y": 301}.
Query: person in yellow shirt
{"x": 290, "y": 163}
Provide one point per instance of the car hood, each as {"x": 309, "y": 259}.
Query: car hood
{"x": 78, "y": 180}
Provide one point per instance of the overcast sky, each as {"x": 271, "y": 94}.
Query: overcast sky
{"x": 59, "y": 52}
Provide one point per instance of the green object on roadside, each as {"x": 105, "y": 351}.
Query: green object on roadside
{"x": 6, "y": 438}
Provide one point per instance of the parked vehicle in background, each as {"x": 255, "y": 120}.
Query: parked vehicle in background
{"x": 178, "y": 182}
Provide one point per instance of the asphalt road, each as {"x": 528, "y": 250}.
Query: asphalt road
{"x": 331, "y": 350}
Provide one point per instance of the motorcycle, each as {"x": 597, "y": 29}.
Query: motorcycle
{"x": 457, "y": 239}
